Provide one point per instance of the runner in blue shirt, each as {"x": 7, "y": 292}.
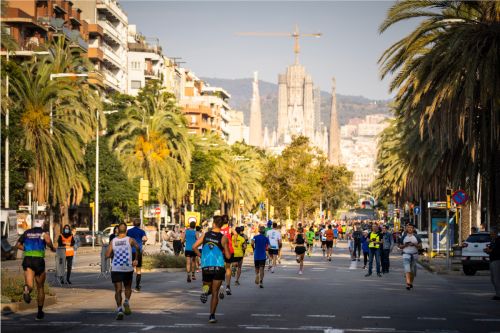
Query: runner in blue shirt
{"x": 139, "y": 236}
{"x": 189, "y": 238}
{"x": 260, "y": 244}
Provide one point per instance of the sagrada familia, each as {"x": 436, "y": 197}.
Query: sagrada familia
{"x": 298, "y": 114}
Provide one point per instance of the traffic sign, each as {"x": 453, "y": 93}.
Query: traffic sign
{"x": 158, "y": 210}
{"x": 459, "y": 197}
{"x": 192, "y": 217}
{"x": 437, "y": 204}
{"x": 416, "y": 210}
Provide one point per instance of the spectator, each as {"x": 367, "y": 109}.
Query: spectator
{"x": 387, "y": 246}
{"x": 493, "y": 249}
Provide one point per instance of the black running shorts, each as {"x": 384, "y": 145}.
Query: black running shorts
{"x": 273, "y": 252}
{"x": 125, "y": 277}
{"x": 137, "y": 257}
{"x": 36, "y": 264}
{"x": 260, "y": 263}
{"x": 329, "y": 244}
{"x": 210, "y": 274}
{"x": 300, "y": 250}
{"x": 190, "y": 254}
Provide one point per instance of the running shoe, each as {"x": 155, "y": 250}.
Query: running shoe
{"x": 120, "y": 315}
{"x": 126, "y": 308}
{"x": 379, "y": 275}
{"x": 261, "y": 285}
{"x": 27, "y": 294}
{"x": 300, "y": 272}
{"x": 272, "y": 269}
{"x": 221, "y": 294}
{"x": 193, "y": 277}
{"x": 237, "y": 282}
{"x": 137, "y": 289}
{"x": 212, "y": 319}
{"x": 204, "y": 293}
{"x": 233, "y": 271}
{"x": 188, "y": 279}
{"x": 228, "y": 291}
{"x": 40, "y": 315}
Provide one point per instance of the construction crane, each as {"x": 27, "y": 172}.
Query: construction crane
{"x": 296, "y": 35}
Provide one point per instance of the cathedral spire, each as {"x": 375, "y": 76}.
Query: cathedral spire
{"x": 255, "y": 115}
{"x": 334, "y": 142}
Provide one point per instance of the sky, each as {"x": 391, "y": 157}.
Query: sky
{"x": 204, "y": 34}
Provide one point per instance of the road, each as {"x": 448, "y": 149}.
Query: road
{"x": 330, "y": 297}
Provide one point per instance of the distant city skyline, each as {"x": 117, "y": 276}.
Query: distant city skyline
{"x": 204, "y": 35}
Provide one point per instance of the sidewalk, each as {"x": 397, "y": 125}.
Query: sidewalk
{"x": 438, "y": 266}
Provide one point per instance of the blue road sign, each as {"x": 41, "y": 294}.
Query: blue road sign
{"x": 262, "y": 206}
{"x": 416, "y": 210}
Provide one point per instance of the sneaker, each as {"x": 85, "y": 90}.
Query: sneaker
{"x": 40, "y": 315}
{"x": 204, "y": 293}
{"x": 126, "y": 308}
{"x": 237, "y": 282}
{"x": 257, "y": 279}
{"x": 188, "y": 279}
{"x": 68, "y": 282}
{"x": 233, "y": 271}
{"x": 137, "y": 289}
{"x": 27, "y": 295}
{"x": 369, "y": 274}
{"x": 379, "y": 275}
{"x": 221, "y": 295}
{"x": 193, "y": 277}
{"x": 261, "y": 285}
{"x": 272, "y": 269}
{"x": 120, "y": 315}
{"x": 353, "y": 259}
{"x": 359, "y": 259}
{"x": 300, "y": 272}
{"x": 212, "y": 319}
{"x": 228, "y": 291}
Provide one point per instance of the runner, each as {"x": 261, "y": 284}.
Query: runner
{"x": 188, "y": 239}
{"x": 322, "y": 232}
{"x": 365, "y": 248}
{"x": 339, "y": 230}
{"x": 291, "y": 237}
{"x": 410, "y": 244}
{"x": 140, "y": 237}
{"x": 226, "y": 231}
{"x": 199, "y": 233}
{"x": 122, "y": 268}
{"x": 329, "y": 242}
{"x": 33, "y": 242}
{"x": 239, "y": 243}
{"x": 259, "y": 244}
{"x": 215, "y": 249}
{"x": 300, "y": 248}
{"x": 67, "y": 240}
{"x": 310, "y": 241}
{"x": 274, "y": 237}
{"x": 335, "y": 235}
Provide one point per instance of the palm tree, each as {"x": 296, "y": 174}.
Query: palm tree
{"x": 447, "y": 84}
{"x": 152, "y": 142}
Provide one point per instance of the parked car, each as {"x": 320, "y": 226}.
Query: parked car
{"x": 107, "y": 232}
{"x": 86, "y": 238}
{"x": 473, "y": 256}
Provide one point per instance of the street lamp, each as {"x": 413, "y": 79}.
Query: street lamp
{"x": 29, "y": 187}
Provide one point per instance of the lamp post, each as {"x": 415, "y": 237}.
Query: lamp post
{"x": 29, "y": 187}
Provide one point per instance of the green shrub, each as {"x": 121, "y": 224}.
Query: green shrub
{"x": 160, "y": 260}
{"x": 13, "y": 284}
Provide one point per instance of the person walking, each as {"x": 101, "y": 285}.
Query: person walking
{"x": 215, "y": 249}
{"x": 410, "y": 244}
{"x": 374, "y": 248}
{"x": 122, "y": 268}
{"x": 259, "y": 244}
{"x": 188, "y": 239}
{"x": 139, "y": 236}
{"x": 174, "y": 236}
{"x": 33, "y": 243}
{"x": 493, "y": 249}
{"x": 387, "y": 246}
{"x": 274, "y": 237}
{"x": 67, "y": 241}
{"x": 356, "y": 236}
{"x": 364, "y": 247}
{"x": 239, "y": 244}
{"x": 300, "y": 248}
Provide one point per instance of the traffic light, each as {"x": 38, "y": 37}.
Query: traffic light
{"x": 449, "y": 192}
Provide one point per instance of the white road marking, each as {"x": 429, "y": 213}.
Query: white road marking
{"x": 207, "y": 314}
{"x": 487, "y": 319}
{"x": 147, "y": 328}
{"x": 376, "y": 317}
{"x": 188, "y": 325}
{"x": 65, "y": 322}
{"x": 265, "y": 315}
{"x": 252, "y": 325}
{"x": 321, "y": 316}
{"x": 379, "y": 329}
{"x": 431, "y": 318}
{"x": 333, "y": 330}
{"x": 315, "y": 328}
{"x": 100, "y": 312}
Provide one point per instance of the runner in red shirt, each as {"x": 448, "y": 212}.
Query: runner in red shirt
{"x": 329, "y": 242}
{"x": 291, "y": 237}
{"x": 226, "y": 231}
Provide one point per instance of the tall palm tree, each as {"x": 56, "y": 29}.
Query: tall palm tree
{"x": 152, "y": 142}
{"x": 447, "y": 83}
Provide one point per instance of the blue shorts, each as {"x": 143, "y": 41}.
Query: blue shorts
{"x": 410, "y": 265}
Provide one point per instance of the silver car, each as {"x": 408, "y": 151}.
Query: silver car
{"x": 473, "y": 256}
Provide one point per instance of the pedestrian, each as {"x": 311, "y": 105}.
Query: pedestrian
{"x": 239, "y": 244}
{"x": 300, "y": 248}
{"x": 215, "y": 248}
{"x": 174, "y": 236}
{"x": 374, "y": 239}
{"x": 226, "y": 231}
{"x": 259, "y": 244}
{"x": 410, "y": 244}
{"x": 274, "y": 237}
{"x": 339, "y": 230}
{"x": 310, "y": 240}
{"x": 364, "y": 247}
{"x": 344, "y": 230}
{"x": 493, "y": 249}
{"x": 140, "y": 238}
{"x": 387, "y": 246}
{"x": 33, "y": 242}
{"x": 114, "y": 234}
{"x": 356, "y": 236}
{"x": 67, "y": 241}
{"x": 122, "y": 268}
{"x": 188, "y": 239}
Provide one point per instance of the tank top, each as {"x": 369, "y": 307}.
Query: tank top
{"x": 190, "y": 239}
{"x": 212, "y": 253}
{"x": 227, "y": 232}
{"x": 122, "y": 255}
{"x": 300, "y": 240}
{"x": 34, "y": 243}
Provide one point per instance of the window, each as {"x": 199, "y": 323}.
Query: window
{"x": 135, "y": 84}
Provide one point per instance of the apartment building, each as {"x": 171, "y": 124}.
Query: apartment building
{"x": 108, "y": 49}
{"x": 238, "y": 131}
{"x": 145, "y": 61}
{"x": 33, "y": 23}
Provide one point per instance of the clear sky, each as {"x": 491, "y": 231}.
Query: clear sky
{"x": 204, "y": 34}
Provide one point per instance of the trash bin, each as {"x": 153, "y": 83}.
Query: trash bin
{"x": 457, "y": 251}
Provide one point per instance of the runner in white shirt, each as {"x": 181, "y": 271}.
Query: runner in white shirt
{"x": 274, "y": 237}
{"x": 323, "y": 239}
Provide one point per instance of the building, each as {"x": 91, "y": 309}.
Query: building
{"x": 238, "y": 132}
{"x": 108, "y": 27}
{"x": 32, "y": 24}
{"x": 145, "y": 61}
{"x": 255, "y": 115}
{"x": 334, "y": 139}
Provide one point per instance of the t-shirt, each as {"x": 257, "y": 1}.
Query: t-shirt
{"x": 238, "y": 242}
{"x": 137, "y": 234}
{"x": 323, "y": 237}
{"x": 226, "y": 231}
{"x": 310, "y": 237}
{"x": 291, "y": 234}
{"x": 335, "y": 232}
{"x": 34, "y": 242}
{"x": 260, "y": 244}
{"x": 274, "y": 238}
{"x": 329, "y": 235}
{"x": 410, "y": 250}
{"x": 190, "y": 239}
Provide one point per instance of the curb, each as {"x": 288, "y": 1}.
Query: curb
{"x": 432, "y": 269}
{"x": 14, "y": 307}
{"x": 165, "y": 270}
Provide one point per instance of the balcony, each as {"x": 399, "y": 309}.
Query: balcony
{"x": 96, "y": 78}
{"x": 75, "y": 38}
{"x": 95, "y": 29}
{"x": 96, "y": 53}
{"x": 150, "y": 74}
{"x": 110, "y": 7}
{"x": 144, "y": 47}
{"x": 110, "y": 80}
{"x": 110, "y": 31}
{"x": 111, "y": 57}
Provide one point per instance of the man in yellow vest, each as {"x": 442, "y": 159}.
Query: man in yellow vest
{"x": 374, "y": 243}
{"x": 67, "y": 240}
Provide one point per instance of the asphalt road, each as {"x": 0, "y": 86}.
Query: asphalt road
{"x": 330, "y": 297}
